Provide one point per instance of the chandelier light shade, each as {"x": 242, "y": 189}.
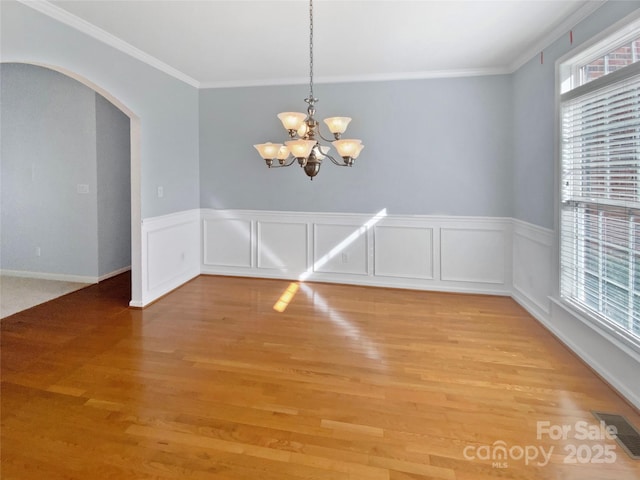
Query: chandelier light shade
{"x": 300, "y": 148}
{"x": 337, "y": 124}
{"x": 283, "y": 153}
{"x": 292, "y": 120}
{"x": 348, "y": 149}
{"x": 304, "y": 133}
{"x": 269, "y": 150}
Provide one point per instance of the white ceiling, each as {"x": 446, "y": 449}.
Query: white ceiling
{"x": 224, "y": 43}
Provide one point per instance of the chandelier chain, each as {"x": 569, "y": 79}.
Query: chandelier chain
{"x": 311, "y": 50}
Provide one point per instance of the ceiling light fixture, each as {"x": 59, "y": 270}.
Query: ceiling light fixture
{"x": 303, "y": 131}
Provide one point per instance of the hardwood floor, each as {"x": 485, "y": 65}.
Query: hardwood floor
{"x": 347, "y": 382}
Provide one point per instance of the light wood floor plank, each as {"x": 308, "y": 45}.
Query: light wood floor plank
{"x": 347, "y": 383}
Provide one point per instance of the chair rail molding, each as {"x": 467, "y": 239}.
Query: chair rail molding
{"x": 458, "y": 254}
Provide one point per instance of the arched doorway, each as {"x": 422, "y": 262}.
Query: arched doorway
{"x": 135, "y": 168}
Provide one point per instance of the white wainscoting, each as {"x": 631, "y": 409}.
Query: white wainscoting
{"x": 534, "y": 274}
{"x": 473, "y": 255}
{"x": 229, "y": 242}
{"x": 460, "y": 254}
{"x": 414, "y": 259}
{"x": 532, "y": 267}
{"x": 281, "y": 246}
{"x": 170, "y": 253}
{"x": 340, "y": 249}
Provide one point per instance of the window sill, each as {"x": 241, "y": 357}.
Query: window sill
{"x": 608, "y": 332}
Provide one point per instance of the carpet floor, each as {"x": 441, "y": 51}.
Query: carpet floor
{"x": 19, "y": 293}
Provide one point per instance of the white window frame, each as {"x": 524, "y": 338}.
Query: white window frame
{"x": 567, "y": 79}
{"x": 614, "y": 37}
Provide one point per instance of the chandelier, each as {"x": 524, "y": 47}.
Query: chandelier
{"x": 304, "y": 133}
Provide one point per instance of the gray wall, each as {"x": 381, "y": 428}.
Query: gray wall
{"x": 48, "y": 148}
{"x": 113, "y": 151}
{"x": 445, "y": 175}
{"x": 58, "y": 134}
{"x": 432, "y": 147}
{"x": 534, "y": 115}
{"x": 167, "y": 108}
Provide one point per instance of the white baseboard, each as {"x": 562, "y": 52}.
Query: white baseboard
{"x": 106, "y": 276}
{"x": 533, "y": 277}
{"x": 616, "y": 364}
{"x": 421, "y": 252}
{"x": 50, "y": 276}
{"x": 407, "y": 284}
{"x": 593, "y": 361}
{"x": 177, "y": 281}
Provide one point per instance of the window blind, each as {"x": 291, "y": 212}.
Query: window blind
{"x": 600, "y": 200}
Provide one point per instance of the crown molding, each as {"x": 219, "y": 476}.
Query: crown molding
{"x": 378, "y": 77}
{"x": 560, "y": 30}
{"x": 61, "y": 15}
{"x": 423, "y": 75}
{"x": 265, "y": 82}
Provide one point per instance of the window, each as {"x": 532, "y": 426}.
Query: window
{"x": 600, "y": 186}
{"x": 610, "y": 62}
